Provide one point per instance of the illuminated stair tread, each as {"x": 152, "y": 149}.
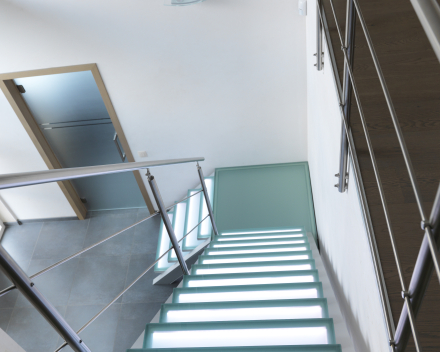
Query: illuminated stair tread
{"x": 285, "y": 265}
{"x": 252, "y": 257}
{"x": 292, "y": 348}
{"x": 245, "y": 310}
{"x": 248, "y": 292}
{"x": 240, "y": 333}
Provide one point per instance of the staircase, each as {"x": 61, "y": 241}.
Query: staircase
{"x": 248, "y": 291}
{"x": 184, "y": 217}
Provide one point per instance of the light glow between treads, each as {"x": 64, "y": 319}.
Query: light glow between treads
{"x": 239, "y": 337}
{"x": 261, "y": 313}
{"x": 251, "y": 281}
{"x": 253, "y": 269}
{"x": 258, "y": 237}
{"x": 180, "y": 210}
{"x": 265, "y": 250}
{"x": 164, "y": 245}
{"x": 253, "y": 259}
{"x": 215, "y": 245}
{"x": 247, "y": 295}
{"x": 252, "y": 232}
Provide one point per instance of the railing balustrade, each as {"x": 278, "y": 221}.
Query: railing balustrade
{"x": 24, "y": 283}
{"x": 428, "y": 259}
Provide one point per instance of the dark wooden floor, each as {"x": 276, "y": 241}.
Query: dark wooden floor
{"x": 412, "y": 72}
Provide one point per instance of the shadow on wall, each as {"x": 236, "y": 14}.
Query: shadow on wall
{"x": 353, "y": 324}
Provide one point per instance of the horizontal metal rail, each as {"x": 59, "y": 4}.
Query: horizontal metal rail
{"x": 62, "y": 261}
{"x": 383, "y": 294}
{"x": 46, "y": 176}
{"x": 128, "y": 287}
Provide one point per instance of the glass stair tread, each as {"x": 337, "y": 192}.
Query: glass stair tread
{"x": 258, "y": 249}
{"x": 244, "y": 232}
{"x": 244, "y": 310}
{"x": 258, "y": 236}
{"x": 258, "y": 242}
{"x": 292, "y": 348}
{"x": 252, "y": 257}
{"x": 280, "y": 265}
{"x": 240, "y": 333}
{"x": 251, "y": 278}
{"x": 247, "y": 292}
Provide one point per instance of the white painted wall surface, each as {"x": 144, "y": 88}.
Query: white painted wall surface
{"x": 343, "y": 237}
{"x": 224, "y": 79}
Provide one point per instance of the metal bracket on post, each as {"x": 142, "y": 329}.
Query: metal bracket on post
{"x": 208, "y": 203}
{"x": 18, "y": 277}
{"x": 167, "y": 222}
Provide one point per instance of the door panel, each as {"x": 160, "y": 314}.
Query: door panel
{"x": 70, "y": 111}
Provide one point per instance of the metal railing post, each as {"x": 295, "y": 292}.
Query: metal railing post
{"x": 350, "y": 27}
{"x": 319, "y": 51}
{"x": 13, "y": 271}
{"x": 167, "y": 223}
{"x": 208, "y": 203}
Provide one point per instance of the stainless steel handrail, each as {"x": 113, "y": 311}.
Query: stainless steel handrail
{"x": 425, "y": 224}
{"x": 383, "y": 294}
{"x": 380, "y": 186}
{"x": 128, "y": 287}
{"x": 428, "y": 12}
{"x": 62, "y": 261}
{"x": 46, "y": 176}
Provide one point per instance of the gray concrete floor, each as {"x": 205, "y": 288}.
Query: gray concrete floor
{"x": 83, "y": 286}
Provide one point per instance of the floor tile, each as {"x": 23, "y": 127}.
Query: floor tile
{"x": 98, "y": 279}
{"x": 144, "y": 290}
{"x": 132, "y": 321}
{"x": 55, "y": 284}
{"x": 146, "y": 234}
{"x": 5, "y": 316}
{"x": 59, "y": 239}
{"x": 9, "y": 299}
{"x": 99, "y": 335}
{"x": 20, "y": 241}
{"x": 106, "y": 224}
{"x": 31, "y": 331}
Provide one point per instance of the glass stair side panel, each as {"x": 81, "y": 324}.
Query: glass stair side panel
{"x": 205, "y": 228}
{"x": 178, "y": 226}
{"x": 163, "y": 244}
{"x": 191, "y": 220}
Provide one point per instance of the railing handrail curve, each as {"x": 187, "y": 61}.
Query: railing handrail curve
{"x": 46, "y": 176}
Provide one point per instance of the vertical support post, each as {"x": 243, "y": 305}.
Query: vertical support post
{"x": 319, "y": 51}
{"x": 18, "y": 277}
{"x": 208, "y": 203}
{"x": 167, "y": 223}
{"x": 350, "y": 27}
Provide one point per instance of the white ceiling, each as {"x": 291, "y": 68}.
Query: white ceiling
{"x": 224, "y": 79}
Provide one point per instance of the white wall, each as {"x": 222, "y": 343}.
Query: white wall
{"x": 224, "y": 79}
{"x": 343, "y": 237}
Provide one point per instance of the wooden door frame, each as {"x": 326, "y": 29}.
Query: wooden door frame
{"x": 29, "y": 123}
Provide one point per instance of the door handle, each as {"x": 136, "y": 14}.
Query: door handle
{"x": 121, "y": 153}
